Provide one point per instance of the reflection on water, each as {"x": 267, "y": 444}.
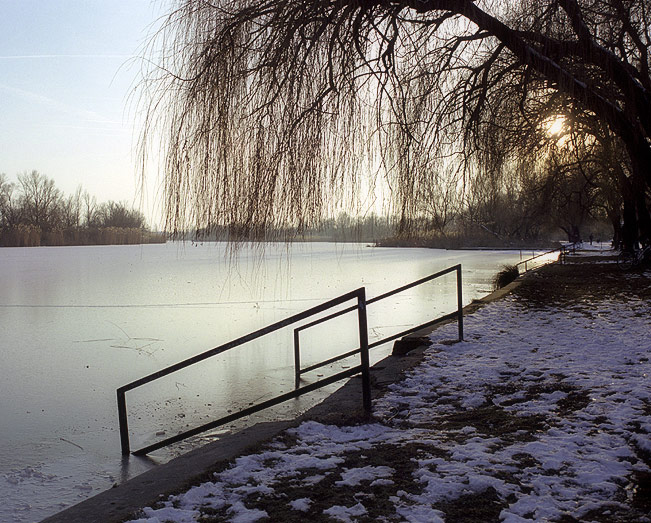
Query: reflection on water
{"x": 79, "y": 322}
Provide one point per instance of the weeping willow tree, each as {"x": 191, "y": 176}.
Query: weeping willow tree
{"x": 273, "y": 113}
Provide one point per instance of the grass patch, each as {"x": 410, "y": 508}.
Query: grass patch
{"x": 493, "y": 421}
{"x": 568, "y": 285}
{"x": 326, "y": 493}
{"x": 484, "y": 506}
{"x": 508, "y": 274}
{"x": 575, "y": 400}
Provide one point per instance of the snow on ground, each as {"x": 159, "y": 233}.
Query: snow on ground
{"x": 603, "y": 247}
{"x": 540, "y": 414}
{"x": 583, "y": 249}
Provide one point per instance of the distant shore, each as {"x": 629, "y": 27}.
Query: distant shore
{"x": 465, "y": 243}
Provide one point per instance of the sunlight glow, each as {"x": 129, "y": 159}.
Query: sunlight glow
{"x": 555, "y": 125}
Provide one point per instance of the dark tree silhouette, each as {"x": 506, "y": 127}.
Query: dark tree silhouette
{"x": 271, "y": 111}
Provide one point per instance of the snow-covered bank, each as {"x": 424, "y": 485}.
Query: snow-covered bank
{"x": 542, "y": 413}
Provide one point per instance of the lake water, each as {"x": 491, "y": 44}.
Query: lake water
{"x": 79, "y": 322}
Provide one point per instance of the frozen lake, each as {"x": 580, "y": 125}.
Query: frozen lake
{"x": 79, "y": 322}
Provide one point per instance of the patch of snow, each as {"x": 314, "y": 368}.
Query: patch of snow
{"x": 380, "y": 482}
{"x": 342, "y": 513}
{"x": 472, "y": 401}
{"x": 420, "y": 514}
{"x": 301, "y": 504}
{"x": 353, "y": 477}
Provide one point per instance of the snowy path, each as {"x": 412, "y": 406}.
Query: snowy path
{"x": 541, "y": 414}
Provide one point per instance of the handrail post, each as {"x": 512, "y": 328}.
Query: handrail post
{"x": 297, "y": 359}
{"x": 124, "y": 426}
{"x": 363, "y": 344}
{"x": 459, "y": 303}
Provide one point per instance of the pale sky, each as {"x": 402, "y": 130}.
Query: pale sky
{"x": 66, "y": 70}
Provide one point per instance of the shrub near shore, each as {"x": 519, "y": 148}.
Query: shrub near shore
{"x": 508, "y": 274}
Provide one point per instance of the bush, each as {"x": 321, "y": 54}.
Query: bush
{"x": 508, "y": 274}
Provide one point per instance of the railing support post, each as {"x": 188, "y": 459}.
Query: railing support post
{"x": 363, "y": 344}
{"x": 297, "y": 359}
{"x": 124, "y": 427}
{"x": 459, "y": 303}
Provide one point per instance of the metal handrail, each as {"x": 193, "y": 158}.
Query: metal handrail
{"x": 359, "y": 294}
{"x": 562, "y": 252}
{"x": 458, "y": 315}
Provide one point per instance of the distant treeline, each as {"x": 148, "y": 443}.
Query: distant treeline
{"x": 343, "y": 228}
{"x": 33, "y": 212}
{"x": 506, "y": 226}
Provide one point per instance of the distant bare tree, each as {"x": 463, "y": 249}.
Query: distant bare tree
{"x": 272, "y": 110}
{"x": 89, "y": 204}
{"x": 40, "y": 199}
{"x": 9, "y": 209}
{"x": 119, "y": 214}
{"x": 71, "y": 209}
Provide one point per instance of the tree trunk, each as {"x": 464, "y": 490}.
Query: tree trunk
{"x": 629, "y": 230}
{"x": 615, "y": 218}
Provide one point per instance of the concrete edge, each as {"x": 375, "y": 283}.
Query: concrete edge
{"x": 342, "y": 407}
